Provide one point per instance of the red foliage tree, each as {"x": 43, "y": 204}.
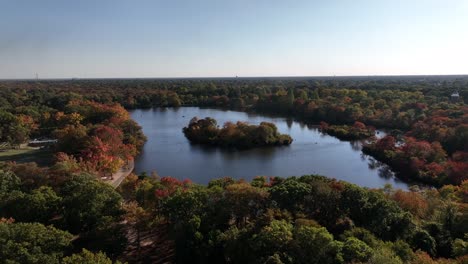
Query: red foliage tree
{"x": 359, "y": 125}
{"x": 386, "y": 143}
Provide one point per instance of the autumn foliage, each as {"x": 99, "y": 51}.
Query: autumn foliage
{"x": 240, "y": 135}
{"x": 357, "y": 131}
{"x": 419, "y": 159}
{"x": 101, "y": 137}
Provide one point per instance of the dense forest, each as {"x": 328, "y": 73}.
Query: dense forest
{"x": 239, "y": 135}
{"x": 308, "y": 219}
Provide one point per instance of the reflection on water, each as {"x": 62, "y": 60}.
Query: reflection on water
{"x": 289, "y": 122}
{"x": 171, "y": 154}
{"x": 385, "y": 172}
{"x": 373, "y": 164}
{"x": 232, "y": 154}
{"x": 356, "y": 145}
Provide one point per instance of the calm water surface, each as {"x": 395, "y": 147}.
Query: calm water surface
{"x": 169, "y": 153}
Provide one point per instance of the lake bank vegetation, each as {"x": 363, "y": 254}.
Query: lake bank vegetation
{"x": 355, "y": 132}
{"x": 238, "y": 135}
{"x": 420, "y": 160}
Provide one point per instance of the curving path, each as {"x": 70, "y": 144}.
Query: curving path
{"x": 121, "y": 174}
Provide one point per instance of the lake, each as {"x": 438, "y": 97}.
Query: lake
{"x": 169, "y": 153}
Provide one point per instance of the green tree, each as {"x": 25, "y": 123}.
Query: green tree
{"x": 88, "y": 257}
{"x": 384, "y": 256}
{"x": 8, "y": 182}
{"x": 356, "y": 250}
{"x": 424, "y": 241}
{"x": 32, "y": 243}
{"x": 12, "y": 131}
{"x": 316, "y": 245}
{"x": 315, "y": 95}
{"x": 460, "y": 247}
{"x": 290, "y": 194}
{"x": 402, "y": 250}
{"x": 89, "y": 203}
{"x": 275, "y": 237}
{"x": 291, "y": 99}
{"x": 237, "y": 245}
{"x": 38, "y": 206}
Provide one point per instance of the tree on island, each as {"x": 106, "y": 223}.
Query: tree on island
{"x": 234, "y": 135}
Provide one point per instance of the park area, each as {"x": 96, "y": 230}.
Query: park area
{"x": 41, "y": 156}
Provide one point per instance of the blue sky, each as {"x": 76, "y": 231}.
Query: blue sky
{"x": 213, "y": 38}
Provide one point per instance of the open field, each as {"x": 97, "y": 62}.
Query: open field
{"x": 23, "y": 155}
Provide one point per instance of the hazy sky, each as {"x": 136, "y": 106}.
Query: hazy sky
{"x": 173, "y": 38}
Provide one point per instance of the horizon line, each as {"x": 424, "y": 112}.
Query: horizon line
{"x": 232, "y": 77}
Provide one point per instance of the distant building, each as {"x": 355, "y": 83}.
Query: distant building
{"x": 455, "y": 97}
{"x": 42, "y": 143}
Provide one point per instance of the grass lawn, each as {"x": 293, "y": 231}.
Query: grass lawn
{"x": 42, "y": 157}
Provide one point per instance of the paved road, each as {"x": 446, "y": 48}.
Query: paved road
{"x": 120, "y": 175}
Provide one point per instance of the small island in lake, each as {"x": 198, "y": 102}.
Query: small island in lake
{"x": 239, "y": 135}
{"x": 355, "y": 132}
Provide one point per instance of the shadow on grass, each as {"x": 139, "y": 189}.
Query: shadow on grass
{"x": 43, "y": 157}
